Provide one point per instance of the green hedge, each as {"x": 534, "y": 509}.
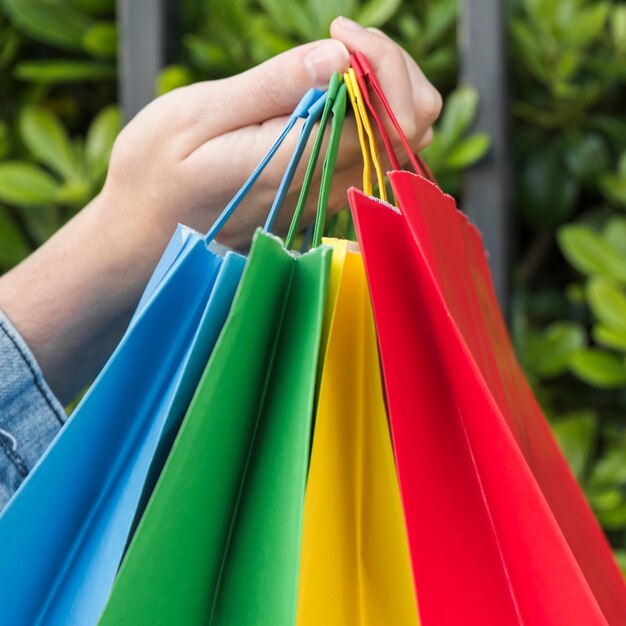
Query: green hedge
{"x": 567, "y": 76}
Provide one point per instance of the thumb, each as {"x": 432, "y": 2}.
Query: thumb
{"x": 270, "y": 90}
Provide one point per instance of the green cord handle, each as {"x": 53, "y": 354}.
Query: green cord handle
{"x": 333, "y": 89}
{"x": 339, "y": 115}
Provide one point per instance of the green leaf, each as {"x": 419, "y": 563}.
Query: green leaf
{"x": 377, "y": 12}
{"x": 74, "y": 194}
{"x": 48, "y": 141}
{"x": 439, "y": 20}
{"x": 586, "y": 155}
{"x": 265, "y": 42}
{"x": 410, "y": 29}
{"x": 528, "y": 46}
{"x": 606, "y": 499}
{"x": 614, "y": 518}
{"x": 206, "y": 55}
{"x": 576, "y": 434}
{"x": 173, "y": 77}
{"x": 50, "y": 21}
{"x": 10, "y": 41}
{"x": 599, "y": 369}
{"x": 548, "y": 353}
{"x": 13, "y": 244}
{"x": 99, "y": 141}
{"x": 614, "y": 128}
{"x": 609, "y": 337}
{"x": 101, "y": 40}
{"x": 614, "y": 188}
{"x": 590, "y": 253}
{"x": 458, "y": 113}
{"x": 618, "y": 27}
{"x": 26, "y": 185}
{"x": 610, "y": 470}
{"x": 565, "y": 68}
{"x": 615, "y": 233}
{"x": 608, "y": 303}
{"x": 323, "y": 12}
{"x": 228, "y": 18}
{"x": 526, "y": 39}
{"x": 64, "y": 71}
{"x": 588, "y": 24}
{"x": 293, "y": 14}
{"x": 468, "y": 151}
{"x": 43, "y": 223}
{"x": 439, "y": 62}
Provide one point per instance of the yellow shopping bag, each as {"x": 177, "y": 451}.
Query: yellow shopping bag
{"x": 355, "y": 566}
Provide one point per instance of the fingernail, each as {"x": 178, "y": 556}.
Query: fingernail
{"x": 323, "y": 60}
{"x": 348, "y": 24}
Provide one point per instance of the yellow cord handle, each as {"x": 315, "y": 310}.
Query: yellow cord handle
{"x": 364, "y": 129}
{"x": 367, "y": 170}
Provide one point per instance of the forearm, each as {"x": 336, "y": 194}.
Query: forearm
{"x": 72, "y": 299}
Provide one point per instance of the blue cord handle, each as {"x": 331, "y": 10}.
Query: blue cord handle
{"x": 309, "y": 105}
{"x": 314, "y": 114}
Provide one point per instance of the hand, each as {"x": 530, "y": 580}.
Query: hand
{"x": 185, "y": 155}
{"x": 181, "y": 160}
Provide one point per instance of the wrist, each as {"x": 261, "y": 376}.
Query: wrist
{"x": 129, "y": 244}
{"x": 72, "y": 298}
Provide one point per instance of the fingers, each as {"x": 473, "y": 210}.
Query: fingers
{"x": 414, "y": 101}
{"x": 272, "y": 89}
{"x": 427, "y": 101}
{"x": 230, "y": 158}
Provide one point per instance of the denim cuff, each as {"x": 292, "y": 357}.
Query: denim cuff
{"x": 30, "y": 414}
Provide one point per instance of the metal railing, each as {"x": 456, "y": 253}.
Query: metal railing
{"x": 486, "y": 187}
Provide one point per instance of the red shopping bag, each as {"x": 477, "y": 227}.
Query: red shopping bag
{"x": 500, "y": 532}
{"x": 458, "y": 580}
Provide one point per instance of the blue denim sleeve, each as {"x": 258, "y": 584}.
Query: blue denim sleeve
{"x": 30, "y": 414}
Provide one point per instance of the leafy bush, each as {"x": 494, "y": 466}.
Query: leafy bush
{"x": 568, "y": 59}
{"x": 567, "y": 67}
{"x": 57, "y": 69}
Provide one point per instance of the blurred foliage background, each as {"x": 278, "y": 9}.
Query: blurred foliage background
{"x": 58, "y": 121}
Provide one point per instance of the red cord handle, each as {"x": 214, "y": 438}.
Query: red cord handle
{"x": 365, "y": 76}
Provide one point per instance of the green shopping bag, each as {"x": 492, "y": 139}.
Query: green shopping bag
{"x": 219, "y": 540}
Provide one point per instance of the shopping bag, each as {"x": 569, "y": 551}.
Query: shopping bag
{"x": 44, "y": 522}
{"x": 495, "y": 518}
{"x": 181, "y": 242}
{"x": 59, "y": 568}
{"x": 218, "y": 543}
{"x": 558, "y": 561}
{"x": 355, "y": 566}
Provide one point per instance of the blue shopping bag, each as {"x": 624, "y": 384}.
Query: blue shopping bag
{"x": 65, "y": 530}
{"x": 180, "y": 243}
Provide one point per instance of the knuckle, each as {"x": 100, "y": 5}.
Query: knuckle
{"x": 121, "y": 152}
{"x": 408, "y": 123}
{"x": 432, "y": 103}
{"x": 395, "y": 57}
{"x": 271, "y": 91}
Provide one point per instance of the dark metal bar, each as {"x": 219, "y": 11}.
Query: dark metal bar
{"x": 142, "y": 51}
{"x": 486, "y": 186}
